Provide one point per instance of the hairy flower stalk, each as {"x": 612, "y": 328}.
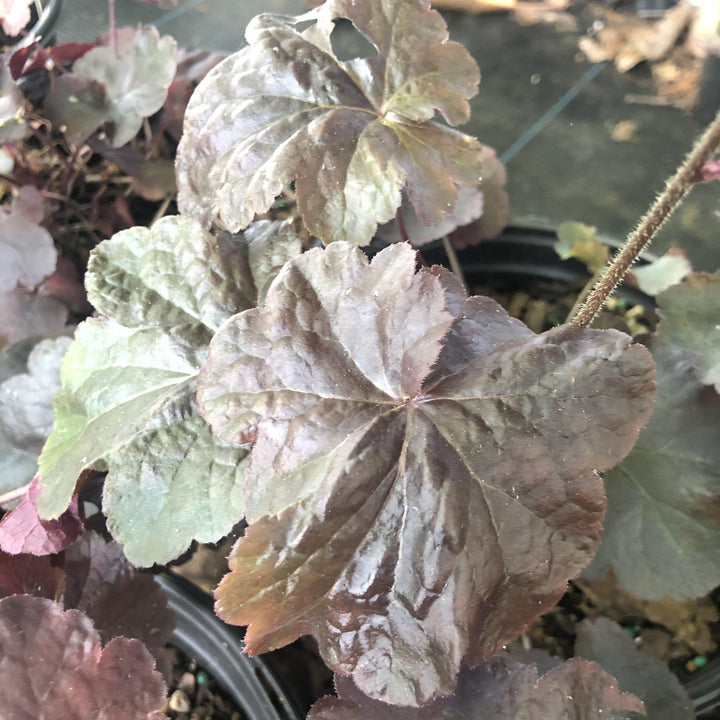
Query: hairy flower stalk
{"x": 675, "y": 190}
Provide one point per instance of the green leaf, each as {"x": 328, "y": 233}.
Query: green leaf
{"x": 128, "y": 385}
{"x": 350, "y": 134}
{"x": 690, "y": 320}
{"x": 662, "y": 528}
{"x": 136, "y": 77}
{"x": 576, "y": 240}
{"x": 663, "y": 273}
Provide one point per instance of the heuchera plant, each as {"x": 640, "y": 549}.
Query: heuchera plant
{"x": 419, "y": 471}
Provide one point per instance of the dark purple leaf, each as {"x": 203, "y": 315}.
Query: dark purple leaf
{"x": 495, "y": 208}
{"x": 114, "y": 595}
{"x": 37, "y": 57}
{"x": 73, "y": 677}
{"x": 350, "y": 134}
{"x": 469, "y": 207}
{"x": 423, "y": 482}
{"x": 637, "y": 672}
{"x": 22, "y": 530}
{"x": 29, "y": 575}
{"x": 77, "y": 104}
{"x": 499, "y": 689}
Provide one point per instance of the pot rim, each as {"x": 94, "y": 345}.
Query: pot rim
{"x": 216, "y": 646}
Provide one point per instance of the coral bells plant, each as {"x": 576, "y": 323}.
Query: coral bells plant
{"x": 419, "y": 471}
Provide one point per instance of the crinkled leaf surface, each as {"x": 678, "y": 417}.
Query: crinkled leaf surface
{"x": 26, "y": 248}
{"x": 398, "y": 512}
{"x": 689, "y": 315}
{"x": 136, "y": 78}
{"x": 128, "y": 385}
{"x": 499, "y": 689}
{"x": 637, "y": 672}
{"x": 662, "y": 273}
{"x": 662, "y": 529}
{"x": 23, "y": 531}
{"x": 351, "y": 134}
{"x": 53, "y": 666}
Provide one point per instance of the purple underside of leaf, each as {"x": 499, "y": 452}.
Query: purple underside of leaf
{"x": 23, "y": 531}
{"x": 350, "y": 134}
{"x": 499, "y": 689}
{"x": 423, "y": 481}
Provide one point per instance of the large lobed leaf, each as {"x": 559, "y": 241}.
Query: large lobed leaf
{"x": 128, "y": 385}
{"x": 53, "y": 665}
{"x": 423, "y": 481}
{"x": 662, "y": 530}
{"x": 499, "y": 689}
{"x": 350, "y": 134}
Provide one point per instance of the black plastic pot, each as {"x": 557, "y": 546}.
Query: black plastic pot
{"x": 217, "y": 647}
{"x": 522, "y": 255}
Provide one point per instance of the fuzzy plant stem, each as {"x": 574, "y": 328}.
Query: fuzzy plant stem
{"x": 675, "y": 190}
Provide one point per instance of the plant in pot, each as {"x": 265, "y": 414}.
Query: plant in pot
{"x": 418, "y": 470}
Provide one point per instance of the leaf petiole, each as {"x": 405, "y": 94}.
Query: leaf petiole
{"x": 675, "y": 190}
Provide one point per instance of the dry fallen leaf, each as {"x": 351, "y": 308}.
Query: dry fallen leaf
{"x": 689, "y": 620}
{"x": 628, "y": 40}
